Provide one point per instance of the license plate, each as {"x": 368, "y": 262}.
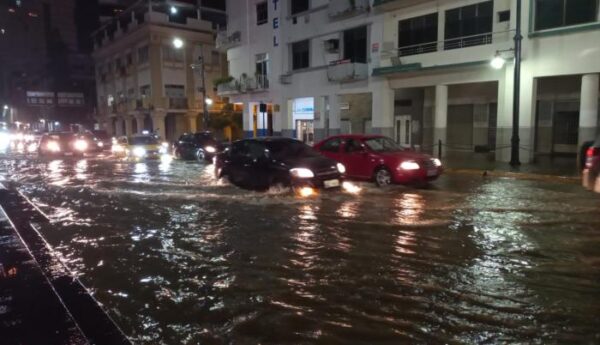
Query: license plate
{"x": 331, "y": 183}
{"x": 432, "y": 172}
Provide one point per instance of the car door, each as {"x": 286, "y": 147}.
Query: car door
{"x": 237, "y": 162}
{"x": 185, "y": 145}
{"x": 356, "y": 159}
{"x": 257, "y": 165}
{"x": 331, "y": 148}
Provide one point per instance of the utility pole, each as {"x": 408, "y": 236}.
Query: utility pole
{"x": 200, "y": 65}
{"x": 514, "y": 153}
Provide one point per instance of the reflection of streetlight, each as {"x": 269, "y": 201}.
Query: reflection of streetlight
{"x": 208, "y": 101}
{"x": 177, "y": 43}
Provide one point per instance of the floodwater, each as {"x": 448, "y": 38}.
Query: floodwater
{"x": 179, "y": 258}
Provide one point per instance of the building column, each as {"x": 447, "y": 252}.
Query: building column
{"x": 527, "y": 109}
{"x": 158, "y": 121}
{"x": 192, "y": 119}
{"x": 287, "y": 118}
{"x": 588, "y": 108}
{"x": 320, "y": 121}
{"x": 382, "y": 109}
{"x": 128, "y": 125}
{"x": 505, "y": 113}
{"x": 140, "y": 119}
{"x": 333, "y": 114}
{"x": 440, "y": 118}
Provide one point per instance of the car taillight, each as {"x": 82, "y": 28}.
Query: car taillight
{"x": 591, "y": 153}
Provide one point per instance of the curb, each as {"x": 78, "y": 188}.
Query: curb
{"x": 515, "y": 175}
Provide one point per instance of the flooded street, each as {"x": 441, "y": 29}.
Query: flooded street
{"x": 179, "y": 258}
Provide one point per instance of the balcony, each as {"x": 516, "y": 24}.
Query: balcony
{"x": 345, "y": 71}
{"x": 178, "y": 103}
{"x": 343, "y": 8}
{"x": 389, "y": 5}
{"x": 229, "y": 88}
{"x": 226, "y": 41}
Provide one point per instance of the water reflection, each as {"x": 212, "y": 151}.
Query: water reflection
{"x": 56, "y": 170}
{"x": 409, "y": 209}
{"x": 81, "y": 168}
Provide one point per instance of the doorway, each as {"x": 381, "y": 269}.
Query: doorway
{"x": 403, "y": 129}
{"x": 565, "y": 132}
{"x": 305, "y": 131}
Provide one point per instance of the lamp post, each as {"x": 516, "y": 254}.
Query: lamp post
{"x": 178, "y": 44}
{"x": 514, "y": 152}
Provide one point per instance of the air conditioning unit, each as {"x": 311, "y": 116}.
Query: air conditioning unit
{"x": 332, "y": 45}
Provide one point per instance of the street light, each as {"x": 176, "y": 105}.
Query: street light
{"x": 208, "y": 101}
{"x": 497, "y": 62}
{"x": 177, "y": 43}
{"x": 173, "y": 10}
{"x": 5, "y": 107}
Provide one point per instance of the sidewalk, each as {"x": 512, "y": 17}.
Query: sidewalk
{"x": 563, "y": 168}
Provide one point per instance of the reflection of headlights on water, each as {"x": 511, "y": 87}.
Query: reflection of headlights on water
{"x": 162, "y": 150}
{"x": 53, "y": 146}
{"x": 32, "y": 147}
{"x": 210, "y": 149}
{"x": 351, "y": 187}
{"x": 166, "y": 158}
{"x": 139, "y": 152}
{"x": 117, "y": 148}
{"x": 20, "y": 146}
{"x": 164, "y": 144}
{"x": 302, "y": 173}
{"x": 80, "y": 145}
{"x": 29, "y": 137}
{"x": 4, "y": 141}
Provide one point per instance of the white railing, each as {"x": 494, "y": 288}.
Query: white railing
{"x": 344, "y": 71}
{"x": 339, "y": 8}
{"x": 453, "y": 43}
{"x": 225, "y": 40}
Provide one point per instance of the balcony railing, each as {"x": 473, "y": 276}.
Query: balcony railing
{"x": 346, "y": 71}
{"x": 225, "y": 40}
{"x": 262, "y": 82}
{"x": 454, "y": 43}
{"x": 229, "y": 88}
{"x": 339, "y": 8}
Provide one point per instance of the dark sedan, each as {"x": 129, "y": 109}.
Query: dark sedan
{"x": 264, "y": 162}
{"x": 200, "y": 146}
{"x": 62, "y": 143}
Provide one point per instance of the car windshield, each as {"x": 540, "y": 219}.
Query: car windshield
{"x": 382, "y": 144}
{"x": 280, "y": 149}
{"x": 205, "y": 138}
{"x": 144, "y": 141}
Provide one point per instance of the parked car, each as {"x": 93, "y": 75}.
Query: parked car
{"x": 591, "y": 170}
{"x": 379, "y": 158}
{"x": 140, "y": 147}
{"x": 62, "y": 144}
{"x": 264, "y": 162}
{"x": 102, "y": 138}
{"x": 200, "y": 146}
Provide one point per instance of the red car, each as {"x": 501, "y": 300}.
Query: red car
{"x": 379, "y": 158}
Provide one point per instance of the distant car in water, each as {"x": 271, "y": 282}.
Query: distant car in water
{"x": 62, "y": 144}
{"x": 200, "y": 146}
{"x": 102, "y": 138}
{"x": 140, "y": 147}
{"x": 591, "y": 170}
{"x": 95, "y": 144}
{"x": 264, "y": 162}
{"x": 380, "y": 159}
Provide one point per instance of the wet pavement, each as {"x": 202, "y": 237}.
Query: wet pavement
{"x": 179, "y": 258}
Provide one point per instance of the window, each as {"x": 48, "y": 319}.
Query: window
{"x": 503, "y": 16}
{"x": 355, "y": 44}
{"x": 299, "y": 6}
{"x": 175, "y": 91}
{"x": 469, "y": 26}
{"x": 556, "y": 13}
{"x": 129, "y": 59}
{"x": 332, "y": 145}
{"x": 262, "y": 13}
{"x": 418, "y": 35}
{"x": 145, "y": 91}
{"x": 301, "y": 55}
{"x": 143, "y": 54}
{"x": 262, "y": 62}
{"x": 354, "y": 145}
{"x": 172, "y": 54}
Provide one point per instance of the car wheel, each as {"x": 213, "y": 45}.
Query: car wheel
{"x": 383, "y": 177}
{"x": 200, "y": 157}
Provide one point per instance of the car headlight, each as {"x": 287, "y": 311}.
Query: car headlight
{"x": 139, "y": 151}
{"x": 302, "y": 173}
{"x": 437, "y": 162}
{"x": 210, "y": 149}
{"x": 408, "y": 165}
{"x": 117, "y": 148}
{"x": 341, "y": 168}
{"x": 53, "y": 146}
{"x": 162, "y": 150}
{"x": 100, "y": 144}
{"x": 81, "y": 145}
{"x": 165, "y": 144}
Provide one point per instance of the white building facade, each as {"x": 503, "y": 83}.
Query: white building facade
{"x": 417, "y": 71}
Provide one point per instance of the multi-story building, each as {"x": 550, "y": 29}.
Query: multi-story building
{"x": 144, "y": 80}
{"x": 417, "y": 71}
